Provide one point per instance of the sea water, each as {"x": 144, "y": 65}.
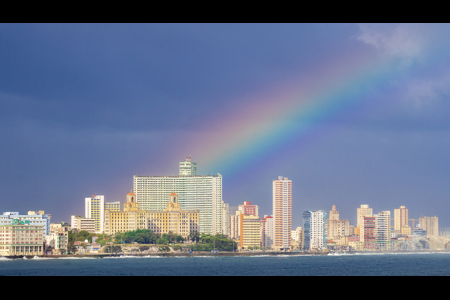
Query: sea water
{"x": 358, "y": 264}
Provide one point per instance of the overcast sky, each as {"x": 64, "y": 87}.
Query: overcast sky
{"x": 351, "y": 113}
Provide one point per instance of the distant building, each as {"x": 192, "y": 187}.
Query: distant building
{"x": 201, "y": 193}
{"x": 187, "y": 167}
{"x": 383, "y": 230}
{"x": 247, "y": 208}
{"x": 430, "y": 225}
{"x": 337, "y": 228}
{"x": 82, "y": 224}
{"x": 282, "y": 213}
{"x": 267, "y": 232}
{"x": 361, "y": 212}
{"x": 401, "y": 221}
{"x": 58, "y": 239}
{"x": 315, "y": 230}
{"x": 368, "y": 233}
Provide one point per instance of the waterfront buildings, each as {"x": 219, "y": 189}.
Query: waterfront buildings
{"x": 383, "y": 230}
{"x": 22, "y": 237}
{"x": 58, "y": 239}
{"x": 361, "y": 212}
{"x": 430, "y": 225}
{"x": 368, "y": 232}
{"x": 201, "y": 193}
{"x": 94, "y": 207}
{"x": 401, "y": 221}
{"x": 267, "y": 232}
{"x": 337, "y": 228}
{"x": 172, "y": 219}
{"x": 250, "y": 231}
{"x": 315, "y": 230}
{"x": 80, "y": 223}
{"x": 35, "y": 218}
{"x": 282, "y": 213}
{"x": 297, "y": 238}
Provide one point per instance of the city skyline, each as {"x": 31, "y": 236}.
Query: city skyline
{"x": 351, "y": 113}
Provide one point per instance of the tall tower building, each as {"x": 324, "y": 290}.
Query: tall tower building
{"x": 95, "y": 209}
{"x": 368, "y": 233}
{"x": 315, "y": 230}
{"x": 383, "y": 230}
{"x": 363, "y": 211}
{"x": 401, "y": 221}
{"x": 187, "y": 167}
{"x": 267, "y": 232}
{"x": 282, "y": 212}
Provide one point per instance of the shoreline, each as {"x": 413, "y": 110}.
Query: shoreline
{"x": 221, "y": 254}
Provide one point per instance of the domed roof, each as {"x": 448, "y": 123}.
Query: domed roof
{"x": 132, "y": 194}
{"x": 173, "y": 194}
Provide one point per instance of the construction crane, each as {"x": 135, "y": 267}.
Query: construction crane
{"x": 413, "y": 223}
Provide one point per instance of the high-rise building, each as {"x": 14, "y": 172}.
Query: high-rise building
{"x": 267, "y": 232}
{"x": 363, "y": 211}
{"x": 187, "y": 167}
{"x": 430, "y": 225}
{"x": 368, "y": 233}
{"x": 315, "y": 230}
{"x": 383, "y": 230}
{"x": 95, "y": 209}
{"x": 337, "y": 228}
{"x": 401, "y": 221}
{"x": 195, "y": 192}
{"x": 282, "y": 212}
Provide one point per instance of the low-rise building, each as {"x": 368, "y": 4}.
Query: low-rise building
{"x": 21, "y": 237}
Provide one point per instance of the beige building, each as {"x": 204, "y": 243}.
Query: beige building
{"x": 361, "y": 212}
{"x": 430, "y": 225}
{"x": 58, "y": 239}
{"x": 337, "y": 228}
{"x": 172, "y": 219}
{"x": 401, "y": 221}
{"x": 21, "y": 238}
{"x": 250, "y": 231}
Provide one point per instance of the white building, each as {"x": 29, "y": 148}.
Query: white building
{"x": 95, "y": 209}
{"x": 80, "y": 223}
{"x": 187, "y": 167}
{"x": 267, "y": 235}
{"x": 383, "y": 230}
{"x": 195, "y": 192}
{"x": 39, "y": 218}
{"x": 315, "y": 230}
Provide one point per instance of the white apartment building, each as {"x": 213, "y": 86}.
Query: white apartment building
{"x": 267, "y": 236}
{"x": 95, "y": 209}
{"x": 383, "y": 230}
{"x": 80, "y": 223}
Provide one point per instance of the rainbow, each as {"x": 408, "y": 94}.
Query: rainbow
{"x": 265, "y": 124}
